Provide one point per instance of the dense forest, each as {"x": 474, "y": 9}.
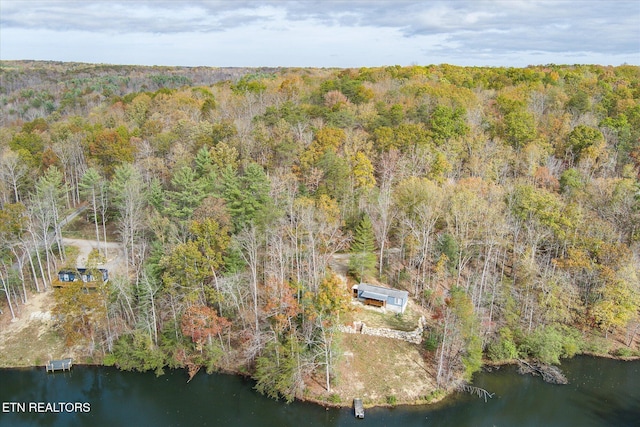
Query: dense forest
{"x": 506, "y": 201}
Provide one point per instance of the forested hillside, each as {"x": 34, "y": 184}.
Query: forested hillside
{"x": 506, "y": 201}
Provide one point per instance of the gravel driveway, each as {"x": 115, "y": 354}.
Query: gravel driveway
{"x": 115, "y": 254}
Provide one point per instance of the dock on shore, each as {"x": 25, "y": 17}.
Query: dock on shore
{"x": 358, "y": 408}
{"x": 59, "y": 365}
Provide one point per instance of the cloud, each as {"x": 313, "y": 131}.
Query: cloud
{"x": 454, "y": 31}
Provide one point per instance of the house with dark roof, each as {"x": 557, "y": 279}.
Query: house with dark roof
{"x": 90, "y": 277}
{"x": 390, "y": 299}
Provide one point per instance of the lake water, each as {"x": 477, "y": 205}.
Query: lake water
{"x": 601, "y": 393}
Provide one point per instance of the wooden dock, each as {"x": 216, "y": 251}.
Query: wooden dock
{"x": 59, "y": 365}
{"x": 358, "y": 408}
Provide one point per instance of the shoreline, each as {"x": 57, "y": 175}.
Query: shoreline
{"x": 21, "y": 350}
{"x": 313, "y": 400}
{"x": 349, "y": 402}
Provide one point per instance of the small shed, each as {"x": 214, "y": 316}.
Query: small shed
{"x": 392, "y": 299}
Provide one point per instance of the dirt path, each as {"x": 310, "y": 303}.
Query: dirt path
{"x": 115, "y": 255}
{"x": 339, "y": 263}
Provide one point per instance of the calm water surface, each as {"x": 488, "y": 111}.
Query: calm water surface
{"x": 601, "y": 393}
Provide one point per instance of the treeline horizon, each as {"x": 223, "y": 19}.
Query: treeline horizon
{"x": 505, "y": 200}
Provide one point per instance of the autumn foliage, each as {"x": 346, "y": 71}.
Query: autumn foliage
{"x": 506, "y": 201}
{"x": 201, "y": 323}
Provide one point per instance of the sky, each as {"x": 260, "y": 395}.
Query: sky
{"x": 354, "y": 33}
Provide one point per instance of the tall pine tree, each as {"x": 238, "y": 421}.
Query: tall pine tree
{"x": 363, "y": 259}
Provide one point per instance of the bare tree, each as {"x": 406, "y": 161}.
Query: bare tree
{"x": 4, "y": 280}
{"x": 33, "y": 227}
{"x": 422, "y": 203}
{"x": 93, "y": 187}
{"x": 71, "y": 154}
{"x": 12, "y": 172}
{"x": 249, "y": 243}
{"x": 42, "y": 220}
{"x": 130, "y": 201}
{"x": 382, "y": 211}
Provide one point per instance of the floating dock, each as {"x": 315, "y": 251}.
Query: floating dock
{"x": 358, "y": 408}
{"x": 59, "y": 365}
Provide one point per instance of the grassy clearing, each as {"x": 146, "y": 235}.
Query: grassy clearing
{"x": 381, "y": 371}
{"x": 31, "y": 346}
{"x": 374, "y": 318}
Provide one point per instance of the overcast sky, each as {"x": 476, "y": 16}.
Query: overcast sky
{"x": 323, "y": 33}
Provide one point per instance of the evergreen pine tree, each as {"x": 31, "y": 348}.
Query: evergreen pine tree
{"x": 247, "y": 197}
{"x": 363, "y": 258}
{"x": 187, "y": 195}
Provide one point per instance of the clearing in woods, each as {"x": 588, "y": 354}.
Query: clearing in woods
{"x": 31, "y": 338}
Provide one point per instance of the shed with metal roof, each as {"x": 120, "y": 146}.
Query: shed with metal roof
{"x": 391, "y": 299}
